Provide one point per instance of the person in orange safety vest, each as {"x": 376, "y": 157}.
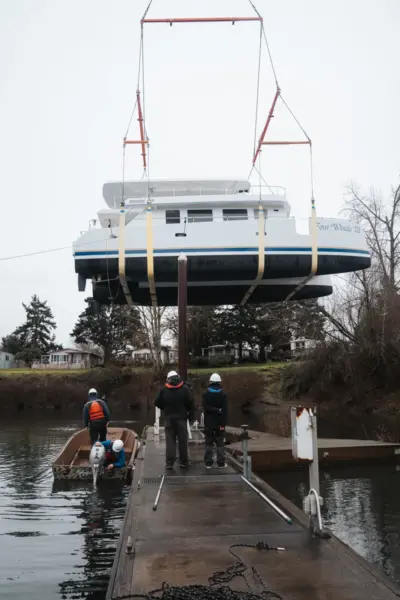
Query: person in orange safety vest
{"x": 96, "y": 417}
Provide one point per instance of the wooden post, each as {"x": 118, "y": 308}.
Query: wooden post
{"x": 182, "y": 313}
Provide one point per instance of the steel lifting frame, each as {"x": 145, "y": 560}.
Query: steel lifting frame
{"x": 232, "y": 20}
{"x": 142, "y": 140}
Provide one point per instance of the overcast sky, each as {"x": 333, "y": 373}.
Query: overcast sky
{"x": 68, "y": 72}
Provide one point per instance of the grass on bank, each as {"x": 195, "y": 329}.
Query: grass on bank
{"x": 237, "y": 368}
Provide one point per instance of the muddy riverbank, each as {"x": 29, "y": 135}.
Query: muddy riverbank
{"x": 256, "y": 397}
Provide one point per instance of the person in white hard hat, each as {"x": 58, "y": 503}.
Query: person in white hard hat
{"x": 96, "y": 417}
{"x": 115, "y": 454}
{"x": 215, "y": 405}
{"x": 176, "y": 400}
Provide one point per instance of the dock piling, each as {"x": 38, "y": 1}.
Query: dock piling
{"x": 314, "y": 464}
{"x": 182, "y": 314}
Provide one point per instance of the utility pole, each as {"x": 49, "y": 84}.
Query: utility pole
{"x": 182, "y": 316}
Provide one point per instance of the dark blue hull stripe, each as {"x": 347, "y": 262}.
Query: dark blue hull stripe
{"x": 254, "y": 250}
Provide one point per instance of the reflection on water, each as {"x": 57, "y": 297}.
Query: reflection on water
{"x": 361, "y": 507}
{"x": 57, "y": 539}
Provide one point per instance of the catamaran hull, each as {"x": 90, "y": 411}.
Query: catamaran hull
{"x": 214, "y": 279}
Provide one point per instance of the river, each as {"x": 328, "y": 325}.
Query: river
{"x": 58, "y": 539}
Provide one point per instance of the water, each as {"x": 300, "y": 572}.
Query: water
{"x": 361, "y": 507}
{"x": 57, "y": 539}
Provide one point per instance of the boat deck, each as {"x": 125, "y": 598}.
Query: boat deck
{"x": 203, "y": 513}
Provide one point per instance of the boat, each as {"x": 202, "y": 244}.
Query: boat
{"x": 73, "y": 461}
{"x": 239, "y": 241}
{"x": 235, "y": 236}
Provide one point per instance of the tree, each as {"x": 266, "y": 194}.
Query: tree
{"x": 29, "y": 356}
{"x": 154, "y": 324}
{"x": 111, "y": 328}
{"x": 38, "y": 330}
{"x": 380, "y": 222}
{"x": 11, "y": 343}
{"x": 264, "y": 325}
{"x": 202, "y": 328}
{"x": 90, "y": 347}
{"x": 366, "y": 305}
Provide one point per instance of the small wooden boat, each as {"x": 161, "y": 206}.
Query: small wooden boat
{"x": 73, "y": 461}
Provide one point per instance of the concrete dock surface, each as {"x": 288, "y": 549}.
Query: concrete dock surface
{"x": 203, "y": 514}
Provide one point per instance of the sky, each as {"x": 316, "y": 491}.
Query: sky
{"x": 68, "y": 77}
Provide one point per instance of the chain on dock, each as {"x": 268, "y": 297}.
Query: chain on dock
{"x": 217, "y": 589}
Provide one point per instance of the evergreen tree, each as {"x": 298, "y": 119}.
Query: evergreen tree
{"x": 38, "y": 330}
{"x": 11, "y": 343}
{"x": 111, "y": 327}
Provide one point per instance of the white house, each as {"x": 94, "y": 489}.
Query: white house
{"x": 224, "y": 349}
{"x": 68, "y": 358}
{"x": 7, "y": 360}
{"x": 143, "y": 356}
{"x": 302, "y": 346}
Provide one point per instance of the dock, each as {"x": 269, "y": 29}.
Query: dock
{"x": 271, "y": 452}
{"x": 211, "y": 529}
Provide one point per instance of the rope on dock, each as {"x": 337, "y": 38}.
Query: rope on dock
{"x": 216, "y": 590}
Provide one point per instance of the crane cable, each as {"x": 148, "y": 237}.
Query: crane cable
{"x": 145, "y": 174}
{"x": 314, "y": 249}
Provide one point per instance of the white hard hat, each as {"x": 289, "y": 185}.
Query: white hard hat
{"x": 215, "y": 378}
{"x": 92, "y": 391}
{"x": 117, "y": 445}
{"x": 172, "y": 374}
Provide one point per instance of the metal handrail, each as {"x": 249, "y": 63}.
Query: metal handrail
{"x": 317, "y": 500}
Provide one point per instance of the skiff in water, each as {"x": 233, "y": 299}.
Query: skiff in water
{"x": 73, "y": 461}
{"x": 216, "y": 224}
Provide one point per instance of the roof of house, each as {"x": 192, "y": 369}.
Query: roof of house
{"x": 73, "y": 351}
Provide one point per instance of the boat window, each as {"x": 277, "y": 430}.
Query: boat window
{"x": 234, "y": 214}
{"x": 200, "y": 216}
{"x": 172, "y": 216}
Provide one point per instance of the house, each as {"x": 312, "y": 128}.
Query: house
{"x": 7, "y": 360}
{"x": 225, "y": 349}
{"x": 143, "y": 356}
{"x": 68, "y": 358}
{"x": 302, "y": 346}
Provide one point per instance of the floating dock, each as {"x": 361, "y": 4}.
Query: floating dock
{"x": 274, "y": 453}
{"x": 206, "y": 521}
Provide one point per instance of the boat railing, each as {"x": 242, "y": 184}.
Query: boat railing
{"x": 268, "y": 190}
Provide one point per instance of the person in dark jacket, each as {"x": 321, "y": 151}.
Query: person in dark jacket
{"x": 96, "y": 416}
{"x": 215, "y": 405}
{"x": 176, "y": 400}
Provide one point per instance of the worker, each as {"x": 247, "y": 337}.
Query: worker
{"x": 115, "y": 454}
{"x": 96, "y": 417}
{"x": 215, "y": 405}
{"x": 176, "y": 400}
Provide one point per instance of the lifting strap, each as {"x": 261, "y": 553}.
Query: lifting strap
{"x": 150, "y": 253}
{"x": 261, "y": 254}
{"x": 122, "y": 257}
